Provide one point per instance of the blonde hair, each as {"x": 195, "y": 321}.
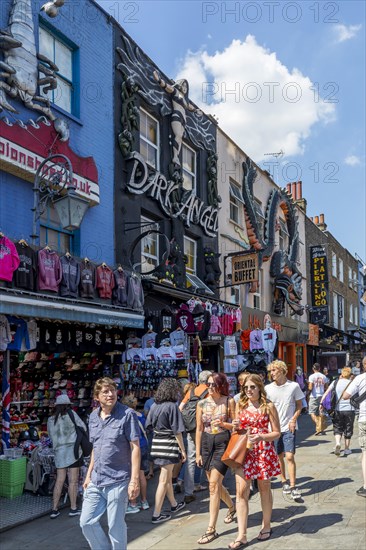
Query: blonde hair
{"x": 106, "y": 381}
{"x": 280, "y": 365}
{"x": 263, "y": 403}
{"x": 346, "y": 372}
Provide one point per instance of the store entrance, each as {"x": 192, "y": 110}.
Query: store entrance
{"x": 294, "y": 355}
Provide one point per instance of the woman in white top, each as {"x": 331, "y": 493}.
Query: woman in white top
{"x": 62, "y": 432}
{"x": 345, "y": 414}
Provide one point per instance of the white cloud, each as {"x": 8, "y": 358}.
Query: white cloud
{"x": 352, "y": 160}
{"x": 260, "y": 103}
{"x": 344, "y": 32}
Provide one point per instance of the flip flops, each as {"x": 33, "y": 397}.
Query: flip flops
{"x": 269, "y": 533}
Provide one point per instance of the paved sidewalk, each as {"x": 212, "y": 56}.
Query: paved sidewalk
{"x": 330, "y": 515}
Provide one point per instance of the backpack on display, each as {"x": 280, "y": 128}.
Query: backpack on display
{"x": 189, "y": 411}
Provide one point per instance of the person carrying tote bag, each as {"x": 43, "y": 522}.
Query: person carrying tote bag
{"x": 256, "y": 415}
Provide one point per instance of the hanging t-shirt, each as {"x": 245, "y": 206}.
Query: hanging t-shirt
{"x": 148, "y": 339}
{"x": 149, "y": 354}
{"x": 269, "y": 338}
{"x": 9, "y": 259}
{"x": 245, "y": 339}
{"x": 19, "y": 334}
{"x": 230, "y": 347}
{"x": 5, "y": 333}
{"x": 134, "y": 355}
{"x": 185, "y": 319}
{"x": 256, "y": 341}
{"x": 166, "y": 353}
{"x": 26, "y": 274}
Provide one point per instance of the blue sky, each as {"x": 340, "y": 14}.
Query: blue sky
{"x": 297, "y": 73}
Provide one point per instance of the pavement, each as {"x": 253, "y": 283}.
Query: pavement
{"x": 329, "y": 515}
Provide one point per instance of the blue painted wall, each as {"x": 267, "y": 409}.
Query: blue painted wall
{"x": 91, "y": 134}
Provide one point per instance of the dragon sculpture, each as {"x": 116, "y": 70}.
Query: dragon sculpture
{"x": 283, "y": 268}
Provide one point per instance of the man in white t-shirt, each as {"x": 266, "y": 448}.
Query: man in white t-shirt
{"x": 358, "y": 385}
{"x": 318, "y": 383}
{"x": 287, "y": 398}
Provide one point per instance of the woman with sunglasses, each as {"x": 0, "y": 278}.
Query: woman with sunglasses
{"x": 255, "y": 414}
{"x": 214, "y": 416}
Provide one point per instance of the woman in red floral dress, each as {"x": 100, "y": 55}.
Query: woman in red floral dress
{"x": 255, "y": 414}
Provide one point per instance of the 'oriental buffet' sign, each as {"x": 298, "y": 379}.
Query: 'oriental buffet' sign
{"x": 190, "y": 208}
{"x": 244, "y": 269}
{"x": 319, "y": 284}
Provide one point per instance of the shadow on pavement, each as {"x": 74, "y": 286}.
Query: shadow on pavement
{"x": 307, "y": 525}
{"x": 320, "y": 485}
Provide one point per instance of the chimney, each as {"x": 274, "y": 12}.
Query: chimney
{"x": 316, "y": 220}
{"x": 322, "y": 225}
{"x": 293, "y": 191}
{"x": 288, "y": 187}
{"x": 299, "y": 190}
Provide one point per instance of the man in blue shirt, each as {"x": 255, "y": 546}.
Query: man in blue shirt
{"x": 113, "y": 473}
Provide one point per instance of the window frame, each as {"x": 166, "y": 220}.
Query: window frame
{"x": 335, "y": 310}
{"x": 145, "y": 222}
{"x": 351, "y": 313}
{"x": 148, "y": 141}
{"x": 258, "y": 295}
{"x": 75, "y": 69}
{"x": 235, "y": 294}
{"x": 334, "y": 265}
{"x": 188, "y": 270}
{"x": 48, "y": 225}
{"x": 235, "y": 199}
{"x": 341, "y": 270}
{"x": 193, "y": 174}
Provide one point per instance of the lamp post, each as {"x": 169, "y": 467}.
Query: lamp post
{"x": 55, "y": 175}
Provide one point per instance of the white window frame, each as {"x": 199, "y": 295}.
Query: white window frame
{"x": 354, "y": 278}
{"x": 257, "y": 296}
{"x": 350, "y": 284}
{"x": 235, "y": 294}
{"x": 185, "y": 170}
{"x": 236, "y": 199}
{"x": 341, "y": 274}
{"x": 334, "y": 264}
{"x": 52, "y": 95}
{"x": 355, "y": 313}
{"x": 351, "y": 313}
{"x": 149, "y": 142}
{"x": 188, "y": 269}
{"x": 154, "y": 258}
{"x": 335, "y": 310}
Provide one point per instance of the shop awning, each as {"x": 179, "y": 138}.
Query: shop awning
{"x": 56, "y": 309}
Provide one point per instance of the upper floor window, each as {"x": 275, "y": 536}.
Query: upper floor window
{"x": 351, "y": 313}
{"x": 334, "y": 264}
{"x": 149, "y": 139}
{"x": 149, "y": 247}
{"x": 236, "y": 200}
{"x": 235, "y": 295}
{"x": 341, "y": 270}
{"x": 53, "y": 235}
{"x": 189, "y": 168}
{"x": 355, "y": 315}
{"x": 190, "y": 250}
{"x": 257, "y": 301}
{"x": 350, "y": 282}
{"x": 64, "y": 57}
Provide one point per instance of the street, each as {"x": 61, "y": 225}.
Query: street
{"x": 330, "y": 515}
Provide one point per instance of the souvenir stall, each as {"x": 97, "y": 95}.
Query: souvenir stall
{"x": 63, "y": 324}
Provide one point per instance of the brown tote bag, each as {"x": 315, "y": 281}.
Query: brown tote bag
{"x": 236, "y": 450}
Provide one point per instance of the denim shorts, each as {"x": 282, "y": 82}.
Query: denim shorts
{"x": 285, "y": 443}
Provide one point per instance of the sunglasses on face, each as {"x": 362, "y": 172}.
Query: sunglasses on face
{"x": 250, "y": 387}
{"x": 211, "y": 385}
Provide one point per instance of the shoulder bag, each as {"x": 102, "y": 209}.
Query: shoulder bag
{"x": 236, "y": 450}
{"x": 333, "y": 411}
{"x": 82, "y": 439}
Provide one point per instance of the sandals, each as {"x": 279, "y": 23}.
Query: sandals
{"x": 238, "y": 544}
{"x": 269, "y": 533}
{"x": 230, "y": 516}
{"x": 210, "y": 535}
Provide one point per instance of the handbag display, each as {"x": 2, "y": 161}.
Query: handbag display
{"x": 82, "y": 439}
{"x": 236, "y": 450}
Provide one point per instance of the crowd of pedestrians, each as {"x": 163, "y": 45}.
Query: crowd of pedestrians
{"x": 189, "y": 431}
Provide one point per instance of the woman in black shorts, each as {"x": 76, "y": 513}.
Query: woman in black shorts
{"x": 214, "y": 416}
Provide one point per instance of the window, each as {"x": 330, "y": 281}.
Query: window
{"x": 64, "y": 57}
{"x": 149, "y": 247}
{"x": 283, "y": 235}
{"x": 350, "y": 284}
{"x": 189, "y": 168}
{"x": 236, "y": 200}
{"x": 149, "y": 139}
{"x": 341, "y": 313}
{"x": 235, "y": 295}
{"x": 334, "y": 264}
{"x": 341, "y": 270}
{"x": 257, "y": 302}
{"x": 355, "y": 315}
{"x": 355, "y": 281}
{"x": 53, "y": 235}
{"x": 190, "y": 250}
{"x": 351, "y": 313}
{"x": 335, "y": 310}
